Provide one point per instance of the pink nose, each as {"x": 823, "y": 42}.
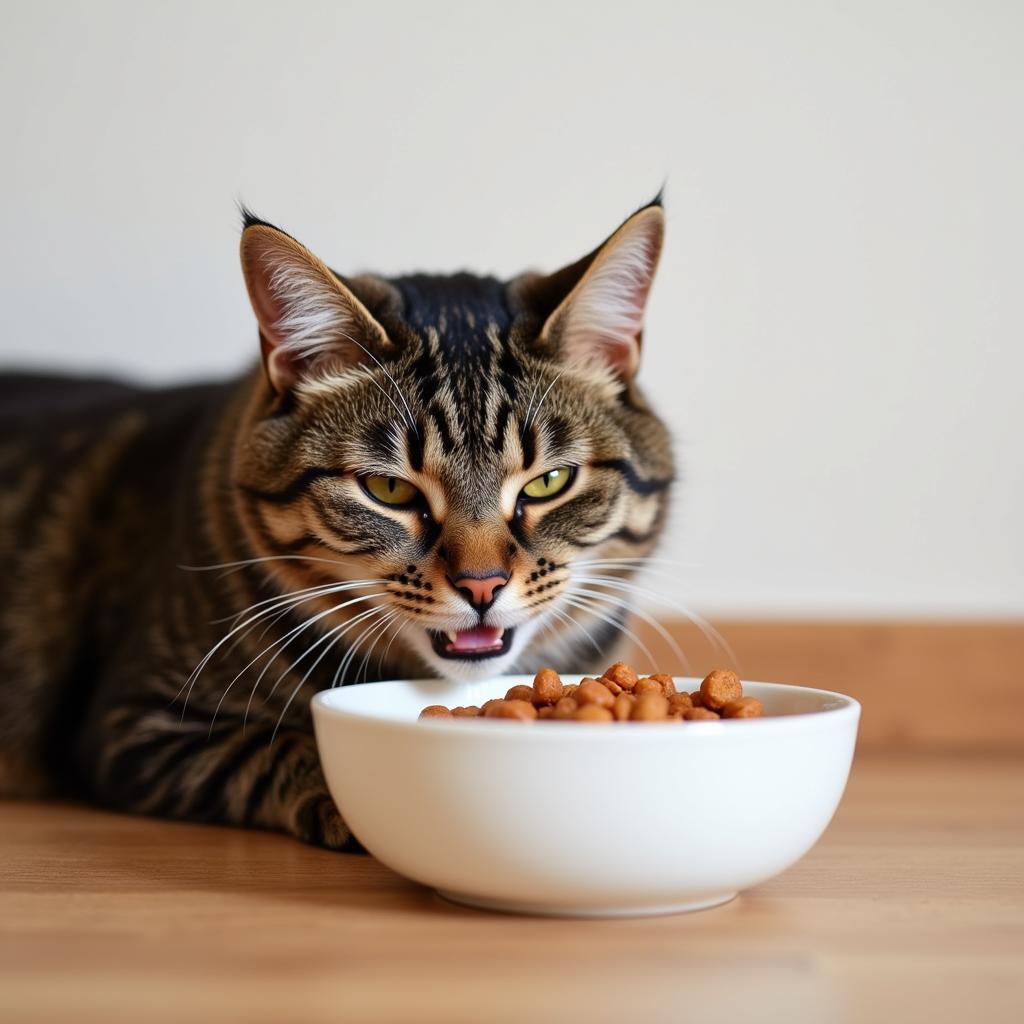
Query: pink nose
{"x": 480, "y": 593}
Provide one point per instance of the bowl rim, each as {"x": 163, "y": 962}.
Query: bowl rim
{"x": 844, "y": 709}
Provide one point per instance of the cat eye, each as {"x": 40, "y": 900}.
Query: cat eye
{"x": 390, "y": 490}
{"x": 548, "y": 484}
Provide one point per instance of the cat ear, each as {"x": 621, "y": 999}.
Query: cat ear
{"x": 601, "y": 319}
{"x": 307, "y": 317}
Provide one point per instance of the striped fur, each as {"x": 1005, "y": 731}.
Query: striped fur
{"x": 461, "y": 385}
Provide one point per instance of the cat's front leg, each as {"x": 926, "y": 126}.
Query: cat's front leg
{"x": 155, "y": 763}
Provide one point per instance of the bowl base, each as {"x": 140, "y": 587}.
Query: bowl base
{"x": 570, "y": 910}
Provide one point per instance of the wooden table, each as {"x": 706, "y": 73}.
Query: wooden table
{"x": 910, "y": 908}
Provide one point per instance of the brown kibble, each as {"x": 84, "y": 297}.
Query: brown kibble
{"x": 566, "y": 707}
{"x": 521, "y": 692}
{"x": 622, "y": 674}
{"x": 719, "y": 687}
{"x": 650, "y": 707}
{"x": 521, "y": 709}
{"x": 592, "y": 713}
{"x": 620, "y": 695}
{"x": 593, "y": 692}
{"x": 700, "y": 715}
{"x": 547, "y": 685}
{"x": 648, "y": 685}
{"x": 680, "y": 702}
{"x": 668, "y": 684}
{"x": 623, "y": 706}
{"x": 744, "y": 707}
{"x": 435, "y": 711}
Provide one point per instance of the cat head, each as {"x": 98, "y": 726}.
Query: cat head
{"x": 450, "y": 450}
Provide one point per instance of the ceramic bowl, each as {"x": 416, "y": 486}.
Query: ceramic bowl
{"x": 583, "y": 819}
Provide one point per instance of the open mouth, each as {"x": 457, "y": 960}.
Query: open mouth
{"x": 471, "y": 644}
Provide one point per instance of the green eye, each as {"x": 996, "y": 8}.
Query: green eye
{"x": 548, "y": 484}
{"x": 391, "y": 490}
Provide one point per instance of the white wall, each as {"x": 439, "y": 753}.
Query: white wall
{"x": 837, "y": 332}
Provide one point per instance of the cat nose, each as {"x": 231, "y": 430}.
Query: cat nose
{"x": 480, "y": 592}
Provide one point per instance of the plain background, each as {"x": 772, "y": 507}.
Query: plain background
{"x": 836, "y": 335}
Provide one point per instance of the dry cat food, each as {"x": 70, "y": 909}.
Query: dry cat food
{"x": 620, "y": 695}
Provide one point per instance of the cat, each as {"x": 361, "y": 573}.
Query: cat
{"x": 423, "y": 475}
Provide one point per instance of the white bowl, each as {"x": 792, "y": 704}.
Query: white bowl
{"x": 583, "y": 819}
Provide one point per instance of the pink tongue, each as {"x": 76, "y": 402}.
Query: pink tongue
{"x": 479, "y": 639}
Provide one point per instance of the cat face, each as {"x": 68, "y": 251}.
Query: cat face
{"x": 450, "y": 450}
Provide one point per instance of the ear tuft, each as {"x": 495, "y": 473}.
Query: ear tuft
{"x": 249, "y": 219}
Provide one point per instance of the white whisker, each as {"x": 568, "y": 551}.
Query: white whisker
{"x": 382, "y": 660}
{"x": 586, "y": 604}
{"x": 632, "y": 562}
{"x": 381, "y": 629}
{"x": 340, "y": 630}
{"x": 574, "y": 624}
{"x": 529, "y": 408}
{"x": 545, "y": 395}
{"x": 342, "y": 668}
{"x": 277, "y": 602}
{"x": 321, "y": 588}
{"x": 241, "y": 563}
{"x": 337, "y": 632}
{"x": 707, "y": 630}
{"x": 640, "y": 613}
{"x": 412, "y": 421}
{"x": 285, "y": 641}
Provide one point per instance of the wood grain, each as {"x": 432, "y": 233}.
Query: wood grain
{"x": 910, "y": 908}
{"x": 923, "y": 686}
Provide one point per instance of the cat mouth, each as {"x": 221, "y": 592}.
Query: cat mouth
{"x": 471, "y": 644}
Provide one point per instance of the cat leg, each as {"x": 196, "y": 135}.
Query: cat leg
{"x": 152, "y": 762}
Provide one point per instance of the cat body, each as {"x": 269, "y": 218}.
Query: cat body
{"x": 409, "y": 484}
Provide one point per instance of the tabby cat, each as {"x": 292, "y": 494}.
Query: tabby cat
{"x": 425, "y": 476}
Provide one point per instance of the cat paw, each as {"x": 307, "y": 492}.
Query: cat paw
{"x": 319, "y": 823}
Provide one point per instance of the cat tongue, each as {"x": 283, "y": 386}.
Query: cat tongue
{"x": 482, "y": 638}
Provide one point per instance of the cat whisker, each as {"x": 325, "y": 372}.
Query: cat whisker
{"x": 286, "y": 609}
{"x": 320, "y": 588}
{"x": 589, "y": 605}
{"x": 284, "y": 641}
{"x": 564, "y": 616}
{"x": 371, "y": 613}
{"x": 708, "y": 631}
{"x": 529, "y": 408}
{"x": 632, "y": 561}
{"x": 337, "y": 632}
{"x": 382, "y": 629}
{"x": 286, "y": 601}
{"x": 548, "y": 626}
{"x": 382, "y": 659}
{"x": 398, "y": 390}
{"x": 544, "y": 396}
{"x": 243, "y": 562}
{"x": 641, "y": 614}
{"x": 342, "y": 669}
